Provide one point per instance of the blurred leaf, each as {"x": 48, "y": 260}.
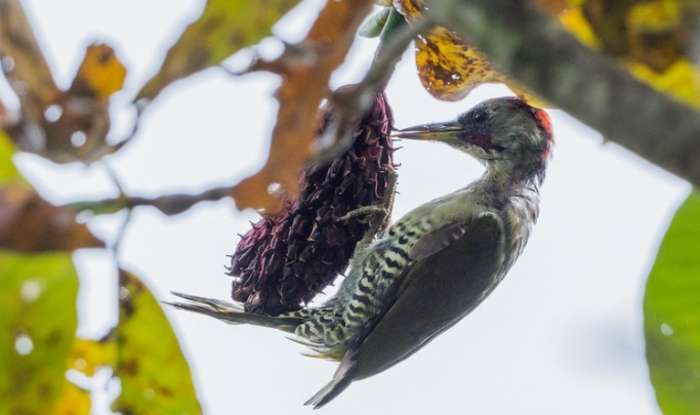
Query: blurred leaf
{"x": 28, "y": 222}
{"x": 448, "y": 68}
{"x": 373, "y": 25}
{"x": 87, "y": 356}
{"x": 73, "y": 401}
{"x": 100, "y": 74}
{"x": 672, "y": 314}
{"x": 305, "y": 84}
{"x": 63, "y": 126}
{"x": 8, "y": 171}
{"x": 554, "y": 6}
{"x": 22, "y": 60}
{"x": 37, "y": 304}
{"x": 657, "y": 40}
{"x": 31, "y": 224}
{"x": 155, "y": 377}
{"x": 224, "y": 27}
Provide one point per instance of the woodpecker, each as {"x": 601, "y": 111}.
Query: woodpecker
{"x": 434, "y": 265}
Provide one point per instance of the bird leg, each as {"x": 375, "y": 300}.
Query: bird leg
{"x": 382, "y": 211}
{"x": 376, "y": 216}
{"x": 365, "y": 213}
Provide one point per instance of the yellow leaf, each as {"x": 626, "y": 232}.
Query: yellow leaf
{"x": 86, "y": 356}
{"x": 653, "y": 38}
{"x": 654, "y": 16}
{"x": 649, "y": 37}
{"x": 575, "y": 22}
{"x": 100, "y": 74}
{"x": 448, "y": 68}
{"x": 681, "y": 80}
{"x": 73, "y": 401}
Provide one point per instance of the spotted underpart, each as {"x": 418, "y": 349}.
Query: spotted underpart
{"x": 358, "y": 301}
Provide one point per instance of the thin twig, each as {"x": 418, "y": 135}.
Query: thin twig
{"x": 169, "y": 205}
{"x": 293, "y": 55}
{"x": 121, "y": 232}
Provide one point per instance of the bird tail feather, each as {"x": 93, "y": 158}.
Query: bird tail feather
{"x": 233, "y": 313}
{"x": 341, "y": 380}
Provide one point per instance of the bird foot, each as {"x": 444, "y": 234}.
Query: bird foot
{"x": 365, "y": 213}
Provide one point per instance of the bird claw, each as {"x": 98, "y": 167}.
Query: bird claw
{"x": 365, "y": 213}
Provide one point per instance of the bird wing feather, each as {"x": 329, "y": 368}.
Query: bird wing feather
{"x": 437, "y": 240}
{"x": 428, "y": 301}
{"x": 437, "y": 291}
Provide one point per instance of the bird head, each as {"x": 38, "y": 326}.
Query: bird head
{"x": 505, "y": 134}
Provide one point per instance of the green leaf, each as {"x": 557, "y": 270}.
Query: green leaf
{"x": 224, "y": 27}
{"x": 154, "y": 374}
{"x": 672, "y": 314}
{"x": 373, "y": 25}
{"x": 37, "y": 327}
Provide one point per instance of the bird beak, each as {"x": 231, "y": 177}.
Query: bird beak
{"x": 445, "y": 132}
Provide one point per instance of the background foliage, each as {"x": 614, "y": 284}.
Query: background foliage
{"x": 652, "y": 41}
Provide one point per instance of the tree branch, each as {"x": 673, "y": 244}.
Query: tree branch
{"x": 536, "y": 51}
{"x": 169, "y": 205}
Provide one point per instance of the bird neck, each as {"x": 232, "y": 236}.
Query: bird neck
{"x": 505, "y": 180}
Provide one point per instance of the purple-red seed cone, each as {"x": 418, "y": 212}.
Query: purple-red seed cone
{"x": 286, "y": 259}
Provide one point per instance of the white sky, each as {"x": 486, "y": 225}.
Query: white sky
{"x": 563, "y": 332}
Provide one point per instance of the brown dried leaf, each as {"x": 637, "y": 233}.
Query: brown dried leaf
{"x": 28, "y": 223}
{"x": 63, "y": 126}
{"x": 223, "y": 28}
{"x": 303, "y": 88}
{"x": 81, "y": 130}
{"x": 23, "y": 62}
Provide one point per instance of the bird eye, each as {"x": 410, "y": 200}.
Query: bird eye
{"x": 479, "y": 116}
{"x": 474, "y": 116}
